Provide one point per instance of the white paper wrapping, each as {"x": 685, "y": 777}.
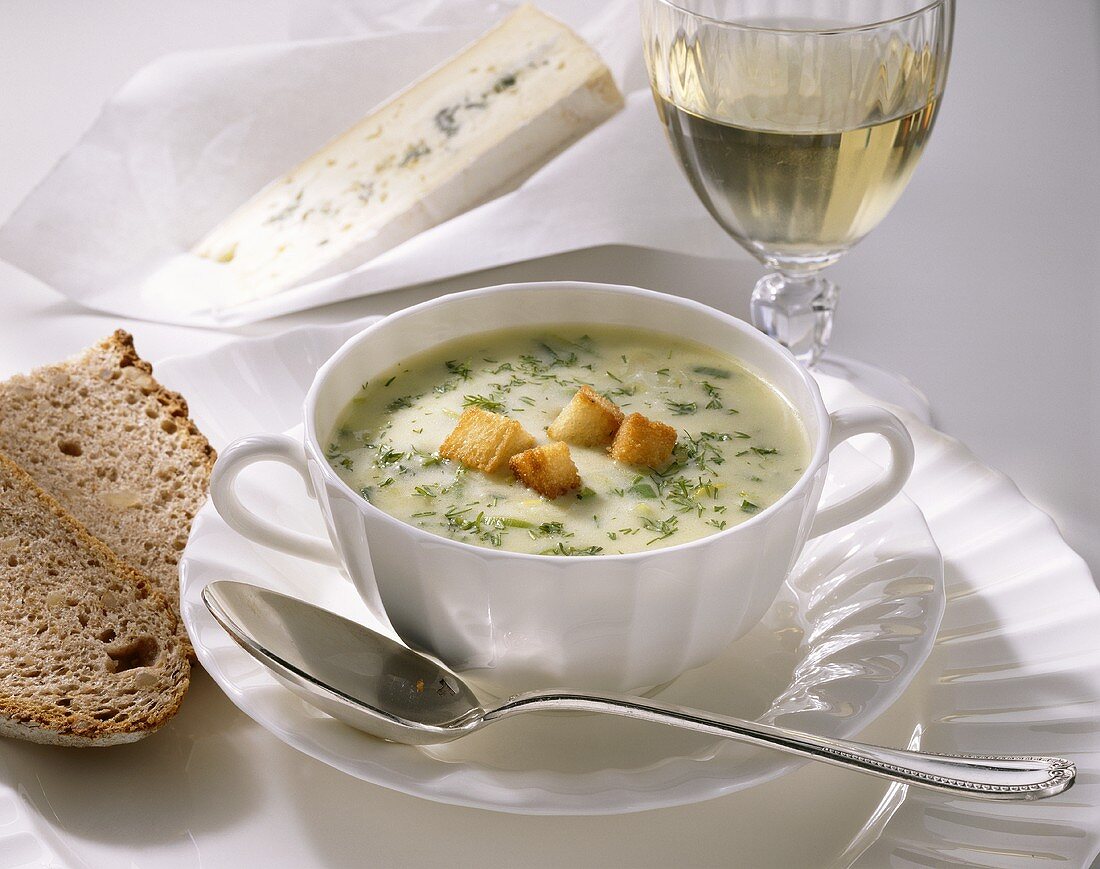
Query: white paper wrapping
{"x": 193, "y": 135}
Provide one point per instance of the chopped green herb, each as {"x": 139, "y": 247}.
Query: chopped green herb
{"x": 701, "y": 450}
{"x": 428, "y": 459}
{"x": 484, "y": 402}
{"x": 489, "y": 530}
{"x": 462, "y": 369}
{"x": 563, "y": 549}
{"x": 678, "y": 408}
{"x": 585, "y": 493}
{"x": 662, "y": 528}
{"x": 707, "y": 489}
{"x": 707, "y": 371}
{"x": 585, "y": 343}
{"x": 685, "y": 494}
{"x": 399, "y": 403}
{"x": 388, "y": 456}
{"x": 552, "y": 529}
{"x": 714, "y": 394}
{"x": 748, "y": 506}
{"x": 391, "y": 380}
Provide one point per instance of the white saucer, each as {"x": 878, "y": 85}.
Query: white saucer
{"x": 852, "y": 626}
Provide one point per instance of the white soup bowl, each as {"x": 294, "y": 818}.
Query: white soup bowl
{"x": 516, "y": 622}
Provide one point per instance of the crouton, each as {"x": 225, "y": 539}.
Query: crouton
{"x": 589, "y": 420}
{"x": 485, "y": 440}
{"x": 548, "y": 469}
{"x": 642, "y": 441}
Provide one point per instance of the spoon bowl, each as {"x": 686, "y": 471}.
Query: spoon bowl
{"x": 383, "y": 688}
{"x": 346, "y": 670}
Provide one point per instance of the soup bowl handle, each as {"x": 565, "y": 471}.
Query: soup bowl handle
{"x": 847, "y": 424}
{"x": 223, "y": 492}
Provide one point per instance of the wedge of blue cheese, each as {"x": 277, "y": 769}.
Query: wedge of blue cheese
{"x": 470, "y": 130}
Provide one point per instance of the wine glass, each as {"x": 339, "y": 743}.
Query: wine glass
{"x": 799, "y": 124}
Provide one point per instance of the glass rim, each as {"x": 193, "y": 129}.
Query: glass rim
{"x": 825, "y": 31}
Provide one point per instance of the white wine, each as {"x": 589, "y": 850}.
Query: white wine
{"x": 799, "y": 177}
{"x": 798, "y": 196}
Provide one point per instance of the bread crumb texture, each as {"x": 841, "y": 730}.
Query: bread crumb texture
{"x": 548, "y": 469}
{"x": 589, "y": 420}
{"x": 116, "y": 449}
{"x": 643, "y": 441}
{"x": 484, "y": 440}
{"x": 90, "y": 652}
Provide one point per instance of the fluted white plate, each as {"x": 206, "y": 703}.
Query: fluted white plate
{"x": 1016, "y": 668}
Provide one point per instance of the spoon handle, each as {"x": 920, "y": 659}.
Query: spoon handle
{"x": 993, "y": 778}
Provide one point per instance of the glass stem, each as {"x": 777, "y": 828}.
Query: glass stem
{"x": 796, "y": 309}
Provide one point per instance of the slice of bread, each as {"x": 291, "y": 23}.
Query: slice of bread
{"x": 115, "y": 448}
{"x": 90, "y": 653}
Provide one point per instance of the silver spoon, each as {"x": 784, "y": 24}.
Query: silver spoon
{"x": 379, "y": 686}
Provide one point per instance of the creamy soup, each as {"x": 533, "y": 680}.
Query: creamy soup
{"x": 740, "y": 445}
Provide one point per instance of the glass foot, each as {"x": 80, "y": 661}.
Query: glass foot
{"x": 797, "y": 311}
{"x": 878, "y": 383}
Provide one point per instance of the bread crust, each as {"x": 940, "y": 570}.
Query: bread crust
{"x": 122, "y": 342}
